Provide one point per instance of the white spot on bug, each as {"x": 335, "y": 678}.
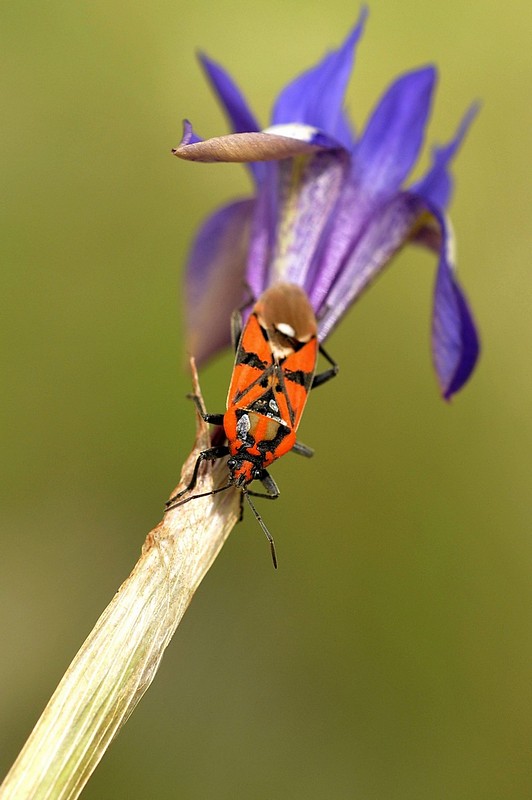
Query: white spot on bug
{"x": 273, "y": 405}
{"x": 242, "y": 427}
{"x": 284, "y": 327}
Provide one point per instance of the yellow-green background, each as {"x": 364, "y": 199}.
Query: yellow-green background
{"x": 390, "y": 658}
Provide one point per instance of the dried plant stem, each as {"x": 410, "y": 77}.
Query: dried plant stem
{"x": 119, "y": 659}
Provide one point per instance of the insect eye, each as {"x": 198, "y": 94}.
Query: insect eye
{"x": 257, "y": 473}
{"x": 231, "y": 463}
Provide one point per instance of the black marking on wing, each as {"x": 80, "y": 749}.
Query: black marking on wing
{"x": 251, "y": 359}
{"x": 263, "y": 380}
{"x": 298, "y": 376}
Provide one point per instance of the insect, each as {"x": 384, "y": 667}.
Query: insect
{"x": 274, "y": 370}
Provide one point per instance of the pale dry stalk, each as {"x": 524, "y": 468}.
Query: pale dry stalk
{"x": 120, "y": 657}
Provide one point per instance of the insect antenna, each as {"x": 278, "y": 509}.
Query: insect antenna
{"x": 170, "y": 506}
{"x": 264, "y": 528}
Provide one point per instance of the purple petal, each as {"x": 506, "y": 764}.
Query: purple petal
{"x": 189, "y": 135}
{"x": 316, "y": 97}
{"x": 307, "y": 195}
{"x": 436, "y": 186}
{"x": 390, "y": 144}
{"x": 263, "y": 231}
{"x": 384, "y": 233}
{"x": 239, "y": 114}
{"x": 350, "y": 219}
{"x": 215, "y": 277}
{"x": 455, "y": 344}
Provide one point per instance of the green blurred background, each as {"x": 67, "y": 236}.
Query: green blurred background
{"x": 391, "y": 655}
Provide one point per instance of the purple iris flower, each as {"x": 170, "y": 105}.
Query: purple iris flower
{"x": 330, "y": 208}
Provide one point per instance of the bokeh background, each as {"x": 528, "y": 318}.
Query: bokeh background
{"x": 391, "y": 655}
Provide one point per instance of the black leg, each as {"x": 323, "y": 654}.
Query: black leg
{"x": 261, "y": 522}
{"x": 272, "y": 491}
{"x": 211, "y": 454}
{"x": 303, "y": 450}
{"x": 236, "y": 320}
{"x": 236, "y": 328}
{"x": 213, "y": 419}
{"x": 325, "y": 376}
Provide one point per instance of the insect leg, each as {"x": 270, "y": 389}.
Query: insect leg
{"x": 236, "y": 320}
{"x": 213, "y": 419}
{"x": 272, "y": 491}
{"x": 302, "y": 450}
{"x": 211, "y": 454}
{"x": 262, "y": 525}
{"x": 325, "y": 376}
{"x": 236, "y": 328}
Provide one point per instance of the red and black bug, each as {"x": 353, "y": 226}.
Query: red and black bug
{"x": 275, "y": 368}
